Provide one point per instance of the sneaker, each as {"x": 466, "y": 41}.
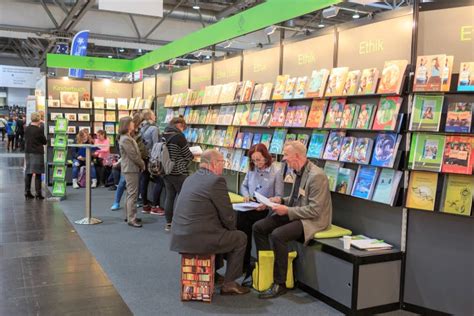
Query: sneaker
{"x": 115, "y": 207}
{"x": 168, "y": 227}
{"x": 94, "y": 183}
{"x": 139, "y": 202}
{"x": 156, "y": 210}
{"x": 75, "y": 185}
{"x": 146, "y": 209}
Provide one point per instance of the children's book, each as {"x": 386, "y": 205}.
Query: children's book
{"x": 228, "y": 92}
{"x": 317, "y": 83}
{"x": 458, "y": 194}
{"x": 59, "y": 156}
{"x": 244, "y": 119}
{"x": 334, "y": 114}
{"x": 331, "y": 169}
{"x": 368, "y": 81}
{"x": 300, "y": 87}
{"x": 365, "y": 118}
{"x": 61, "y": 125}
{"x": 257, "y": 92}
{"x": 110, "y": 104}
{"x": 279, "y": 112}
{"x": 247, "y": 91}
{"x": 290, "y": 88}
{"x": 267, "y": 91}
{"x": 228, "y": 115}
{"x": 60, "y": 141}
{"x": 426, "y": 112}
{"x": 345, "y": 180}
{"x": 421, "y": 193}
{"x": 316, "y": 146}
{"x": 363, "y": 150}
{"x": 110, "y": 116}
{"x": 316, "y": 114}
{"x": 280, "y": 86}
{"x": 266, "y": 139}
{"x": 387, "y": 114}
{"x": 247, "y": 142}
{"x": 99, "y": 102}
{"x": 289, "y": 138}
{"x": 336, "y": 81}
{"x": 466, "y": 77}
{"x": 333, "y": 146}
{"x": 426, "y": 152}
{"x": 290, "y": 116}
{"x": 239, "y": 91}
{"x": 59, "y": 173}
{"x": 238, "y": 114}
{"x": 239, "y": 140}
{"x": 59, "y": 188}
{"x": 303, "y": 138}
{"x": 266, "y": 115}
{"x": 301, "y": 115}
{"x": 428, "y": 73}
{"x": 203, "y": 115}
{"x": 230, "y": 136}
{"x": 122, "y": 103}
{"x": 238, "y": 153}
{"x": 349, "y": 115}
{"x": 278, "y": 140}
{"x": 257, "y": 138}
{"x": 386, "y": 148}
{"x": 364, "y": 182}
{"x": 351, "y": 85}
{"x": 447, "y": 73}
{"x": 457, "y": 157}
{"x": 347, "y": 149}
{"x": 392, "y": 77}
{"x": 459, "y": 117}
{"x": 221, "y": 116}
{"x": 244, "y": 164}
{"x": 387, "y": 186}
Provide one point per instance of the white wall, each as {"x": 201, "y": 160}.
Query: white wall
{"x": 18, "y": 96}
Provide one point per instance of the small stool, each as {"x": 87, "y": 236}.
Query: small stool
{"x": 333, "y": 231}
{"x": 197, "y": 277}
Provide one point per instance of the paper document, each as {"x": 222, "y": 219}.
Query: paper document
{"x": 244, "y": 207}
{"x": 264, "y": 200}
{"x": 196, "y": 150}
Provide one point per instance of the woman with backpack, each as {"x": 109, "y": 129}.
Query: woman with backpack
{"x": 79, "y": 159}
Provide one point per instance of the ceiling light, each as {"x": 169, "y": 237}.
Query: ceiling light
{"x": 110, "y": 56}
{"x": 121, "y": 50}
{"x": 208, "y": 57}
{"x": 321, "y": 24}
{"x": 356, "y": 15}
{"x": 196, "y": 5}
{"x": 189, "y": 64}
{"x": 330, "y": 12}
{"x": 140, "y": 50}
{"x": 198, "y": 54}
{"x": 270, "y": 30}
{"x": 229, "y": 43}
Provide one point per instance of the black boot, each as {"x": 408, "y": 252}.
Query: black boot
{"x": 39, "y": 196}
{"x": 29, "y": 196}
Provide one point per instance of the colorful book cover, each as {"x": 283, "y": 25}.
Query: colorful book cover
{"x": 110, "y": 104}
{"x": 239, "y": 140}
{"x": 279, "y": 112}
{"x": 59, "y": 173}
{"x": 336, "y": 81}
{"x": 458, "y": 194}
{"x": 280, "y": 86}
{"x": 364, "y": 183}
{"x": 386, "y": 148}
{"x": 459, "y": 117}
{"x": 109, "y": 128}
{"x": 230, "y": 136}
{"x": 257, "y": 138}
{"x": 208, "y": 135}
{"x": 365, "y": 118}
{"x": 290, "y": 116}
{"x": 239, "y": 90}
{"x": 347, "y": 149}
{"x": 266, "y": 139}
{"x": 229, "y": 115}
{"x": 301, "y": 115}
{"x": 61, "y": 125}
{"x": 387, "y": 113}
{"x": 122, "y": 103}
{"x": 352, "y": 83}
{"x": 426, "y": 152}
{"x": 334, "y": 114}
{"x": 316, "y": 114}
{"x": 266, "y": 115}
{"x": 421, "y": 192}
{"x": 221, "y": 116}
{"x": 247, "y": 91}
{"x": 255, "y": 114}
{"x": 331, "y": 169}
{"x": 59, "y": 188}
{"x": 244, "y": 164}
{"x": 426, "y": 112}
{"x": 203, "y": 115}
{"x": 228, "y": 92}
{"x": 333, "y": 146}
{"x": 300, "y": 87}
{"x": 447, "y": 73}
{"x": 59, "y": 156}
{"x": 290, "y": 88}
{"x": 392, "y": 77}
{"x": 317, "y": 83}
{"x": 244, "y": 119}
{"x": 345, "y": 180}
{"x": 363, "y": 150}
{"x": 60, "y": 141}
{"x": 349, "y": 115}
{"x": 267, "y": 91}
{"x": 368, "y": 81}
{"x": 278, "y": 140}
{"x": 316, "y": 146}
{"x": 247, "y": 142}
{"x": 303, "y": 138}
{"x": 110, "y": 116}
{"x": 238, "y": 114}
{"x": 236, "y": 159}
{"x": 466, "y": 77}
{"x": 289, "y": 138}
{"x": 257, "y": 92}
{"x": 429, "y": 70}
{"x": 187, "y": 113}
{"x": 457, "y": 155}
{"x": 387, "y": 186}
{"x": 99, "y": 102}
{"x": 221, "y": 141}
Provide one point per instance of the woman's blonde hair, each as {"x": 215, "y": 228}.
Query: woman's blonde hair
{"x": 80, "y": 136}
{"x": 35, "y": 117}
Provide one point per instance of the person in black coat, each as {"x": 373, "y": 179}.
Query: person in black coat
{"x": 20, "y": 133}
{"x": 34, "y": 156}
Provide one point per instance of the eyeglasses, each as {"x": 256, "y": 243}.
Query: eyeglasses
{"x": 259, "y": 160}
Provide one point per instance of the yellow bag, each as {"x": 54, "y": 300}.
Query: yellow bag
{"x": 262, "y": 275}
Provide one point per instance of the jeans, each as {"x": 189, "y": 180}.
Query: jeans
{"x": 173, "y": 186}
{"x": 76, "y": 166}
{"x": 120, "y": 189}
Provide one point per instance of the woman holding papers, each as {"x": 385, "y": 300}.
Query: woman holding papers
{"x": 266, "y": 179}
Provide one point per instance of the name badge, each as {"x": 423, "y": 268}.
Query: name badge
{"x": 302, "y": 192}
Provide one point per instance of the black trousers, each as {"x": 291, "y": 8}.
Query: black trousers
{"x": 28, "y": 178}
{"x": 279, "y": 230}
{"x": 173, "y": 186}
{"x": 11, "y": 142}
{"x": 19, "y": 140}
{"x": 231, "y": 248}
{"x": 245, "y": 221}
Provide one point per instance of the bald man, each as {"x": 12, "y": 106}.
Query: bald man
{"x": 305, "y": 212}
{"x": 205, "y": 223}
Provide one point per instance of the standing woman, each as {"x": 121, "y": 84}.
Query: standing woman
{"x": 11, "y": 132}
{"x": 265, "y": 178}
{"x": 34, "y": 155}
{"x": 132, "y": 164}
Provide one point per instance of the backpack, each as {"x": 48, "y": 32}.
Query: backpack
{"x": 81, "y": 178}
{"x": 142, "y": 147}
{"x": 160, "y": 162}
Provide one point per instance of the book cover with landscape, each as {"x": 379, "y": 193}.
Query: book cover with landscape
{"x": 317, "y": 83}
{"x": 316, "y": 146}
{"x": 426, "y": 112}
{"x": 386, "y": 148}
{"x": 333, "y": 146}
{"x": 364, "y": 182}
{"x": 459, "y": 117}
{"x": 387, "y": 113}
{"x": 421, "y": 193}
{"x": 334, "y": 114}
{"x": 316, "y": 114}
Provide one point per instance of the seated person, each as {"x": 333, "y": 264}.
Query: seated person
{"x": 265, "y": 178}
{"x": 102, "y": 155}
{"x": 306, "y": 211}
{"x": 204, "y": 221}
{"x": 79, "y": 159}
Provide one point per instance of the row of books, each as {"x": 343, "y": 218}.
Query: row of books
{"x": 321, "y": 114}
{"x": 196, "y": 277}
{"x": 70, "y": 99}
{"x": 445, "y": 153}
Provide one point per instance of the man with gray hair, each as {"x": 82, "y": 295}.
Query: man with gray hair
{"x": 305, "y": 212}
{"x": 205, "y": 223}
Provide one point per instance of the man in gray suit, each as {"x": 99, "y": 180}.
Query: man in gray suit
{"x": 205, "y": 223}
{"x": 305, "y": 212}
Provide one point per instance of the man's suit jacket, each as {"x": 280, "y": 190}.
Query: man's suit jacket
{"x": 313, "y": 205}
{"x": 202, "y": 215}
{"x": 131, "y": 159}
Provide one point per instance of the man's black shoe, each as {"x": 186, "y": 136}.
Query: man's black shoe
{"x": 273, "y": 292}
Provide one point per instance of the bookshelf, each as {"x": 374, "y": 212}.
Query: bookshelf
{"x": 197, "y": 277}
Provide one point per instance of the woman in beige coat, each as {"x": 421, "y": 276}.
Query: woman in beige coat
{"x": 131, "y": 165}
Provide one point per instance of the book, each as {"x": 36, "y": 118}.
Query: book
{"x": 369, "y": 244}
{"x": 457, "y": 157}
{"x": 387, "y": 186}
{"x": 386, "y": 149}
{"x": 447, "y": 73}
{"x": 247, "y": 91}
{"x": 334, "y": 114}
{"x": 459, "y": 117}
{"x": 203, "y": 115}
{"x": 290, "y": 116}
{"x": 122, "y": 103}
{"x": 290, "y": 88}
{"x": 236, "y": 159}
{"x": 351, "y": 85}
{"x": 244, "y": 119}
{"x": 247, "y": 141}
{"x": 257, "y": 137}
{"x": 59, "y": 156}
{"x": 99, "y": 115}
{"x": 110, "y": 116}
{"x": 99, "y": 102}
{"x": 364, "y": 182}
{"x": 244, "y": 164}
{"x": 60, "y": 141}
{"x": 230, "y": 136}
{"x": 316, "y": 146}
{"x": 347, "y": 149}
{"x": 289, "y": 138}
{"x": 429, "y": 70}
{"x": 362, "y": 150}
{"x": 257, "y": 92}
{"x": 466, "y": 76}
{"x": 266, "y": 91}
{"x": 458, "y": 194}
{"x": 228, "y": 115}
{"x": 303, "y": 138}
{"x": 255, "y": 114}
{"x": 280, "y": 87}
{"x": 279, "y": 112}
{"x": 266, "y": 116}
{"x": 316, "y": 114}
{"x": 336, "y": 81}
{"x": 331, "y": 169}
{"x": 387, "y": 113}
{"x": 333, "y": 146}
{"x": 238, "y": 114}
{"x": 278, "y": 140}
{"x": 317, "y": 83}
{"x": 345, "y": 180}
{"x": 365, "y": 117}
{"x": 349, "y": 115}
{"x": 426, "y": 112}
{"x": 266, "y": 140}
{"x": 110, "y": 104}
{"x": 228, "y": 92}
{"x": 392, "y": 77}
{"x": 426, "y": 152}
{"x": 421, "y": 193}
{"x": 301, "y": 114}
{"x": 239, "y": 140}
{"x": 300, "y": 87}
{"x": 239, "y": 90}
{"x": 368, "y": 81}
{"x": 221, "y": 116}
{"x": 109, "y": 128}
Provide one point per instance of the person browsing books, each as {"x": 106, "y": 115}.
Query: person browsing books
{"x": 305, "y": 212}
{"x": 34, "y": 156}
{"x": 265, "y": 178}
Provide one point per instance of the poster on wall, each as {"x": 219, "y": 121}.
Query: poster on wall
{"x": 69, "y": 99}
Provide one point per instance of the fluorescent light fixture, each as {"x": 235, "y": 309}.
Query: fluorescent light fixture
{"x": 229, "y": 43}
{"x": 330, "y": 12}
{"x": 197, "y": 54}
{"x": 196, "y": 5}
{"x": 140, "y": 50}
{"x": 321, "y": 24}
{"x": 121, "y": 50}
{"x": 110, "y": 56}
{"x": 208, "y": 57}
{"x": 270, "y": 30}
{"x": 189, "y": 64}
{"x": 356, "y": 15}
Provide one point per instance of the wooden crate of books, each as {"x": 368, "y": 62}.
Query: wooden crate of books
{"x": 197, "y": 277}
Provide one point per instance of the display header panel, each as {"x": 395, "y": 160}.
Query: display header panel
{"x": 201, "y": 75}
{"x": 227, "y": 70}
{"x": 262, "y": 66}
{"x": 180, "y": 82}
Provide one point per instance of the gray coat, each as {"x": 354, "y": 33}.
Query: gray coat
{"x": 131, "y": 160}
{"x": 314, "y": 205}
{"x": 203, "y": 214}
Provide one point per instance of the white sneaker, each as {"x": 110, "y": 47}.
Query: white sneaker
{"x": 75, "y": 185}
{"x": 94, "y": 183}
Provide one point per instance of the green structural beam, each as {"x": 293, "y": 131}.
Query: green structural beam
{"x": 256, "y": 18}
